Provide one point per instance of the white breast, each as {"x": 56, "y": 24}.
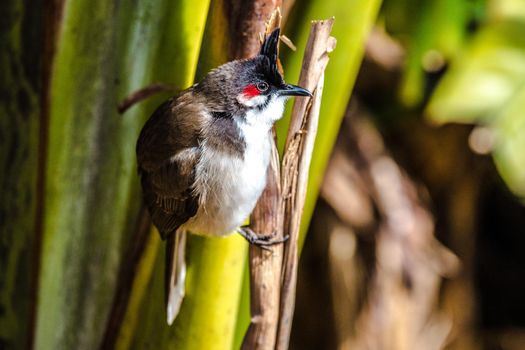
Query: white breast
{"x": 228, "y": 185}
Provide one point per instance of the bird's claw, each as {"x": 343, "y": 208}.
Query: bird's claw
{"x": 262, "y": 241}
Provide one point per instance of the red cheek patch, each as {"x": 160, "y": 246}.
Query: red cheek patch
{"x": 251, "y": 91}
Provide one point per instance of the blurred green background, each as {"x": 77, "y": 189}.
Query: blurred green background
{"x": 414, "y": 221}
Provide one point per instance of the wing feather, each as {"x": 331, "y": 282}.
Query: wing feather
{"x": 168, "y": 150}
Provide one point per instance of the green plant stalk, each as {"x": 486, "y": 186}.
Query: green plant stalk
{"x": 208, "y": 314}
{"x": 91, "y": 182}
{"x": 209, "y": 318}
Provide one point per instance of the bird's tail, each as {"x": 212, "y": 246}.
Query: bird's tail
{"x": 175, "y": 273}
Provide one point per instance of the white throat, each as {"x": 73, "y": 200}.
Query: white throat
{"x": 264, "y": 118}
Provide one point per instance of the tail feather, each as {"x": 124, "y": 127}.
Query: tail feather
{"x": 175, "y": 273}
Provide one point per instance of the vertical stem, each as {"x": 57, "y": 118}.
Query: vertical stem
{"x": 265, "y": 266}
{"x": 267, "y": 217}
{"x": 296, "y": 163}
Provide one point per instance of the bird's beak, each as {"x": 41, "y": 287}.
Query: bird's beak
{"x": 294, "y": 90}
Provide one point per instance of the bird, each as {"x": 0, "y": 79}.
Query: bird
{"x": 203, "y": 156}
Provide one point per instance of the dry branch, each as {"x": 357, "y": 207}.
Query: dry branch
{"x": 296, "y": 163}
{"x": 265, "y": 265}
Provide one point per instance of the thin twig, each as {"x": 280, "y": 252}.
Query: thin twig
{"x": 286, "y": 40}
{"x": 296, "y": 163}
{"x": 143, "y": 94}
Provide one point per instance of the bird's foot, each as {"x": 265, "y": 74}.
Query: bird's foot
{"x": 262, "y": 241}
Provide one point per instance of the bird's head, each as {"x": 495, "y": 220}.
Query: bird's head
{"x": 252, "y": 84}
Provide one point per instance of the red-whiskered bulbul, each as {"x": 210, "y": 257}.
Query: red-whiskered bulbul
{"x": 203, "y": 155}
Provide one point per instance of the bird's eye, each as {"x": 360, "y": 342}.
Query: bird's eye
{"x": 262, "y": 86}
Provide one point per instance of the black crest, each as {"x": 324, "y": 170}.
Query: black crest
{"x": 269, "y": 51}
{"x": 269, "y": 47}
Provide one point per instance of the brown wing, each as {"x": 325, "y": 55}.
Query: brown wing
{"x": 167, "y": 152}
